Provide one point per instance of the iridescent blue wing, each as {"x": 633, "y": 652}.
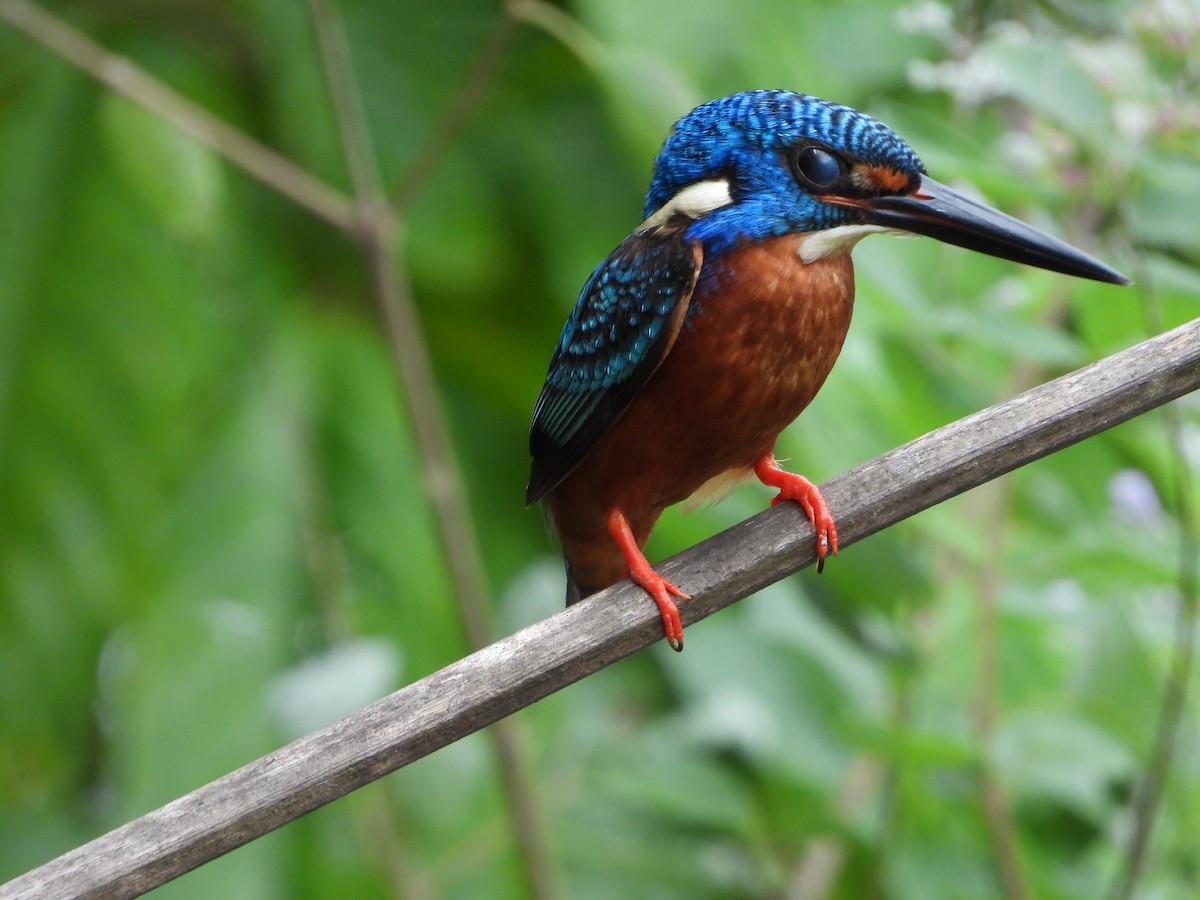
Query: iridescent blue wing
{"x": 622, "y": 328}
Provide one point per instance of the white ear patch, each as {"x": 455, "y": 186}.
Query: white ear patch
{"x": 693, "y": 201}
{"x": 833, "y": 240}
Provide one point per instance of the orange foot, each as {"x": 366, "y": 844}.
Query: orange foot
{"x": 798, "y": 488}
{"x": 641, "y": 572}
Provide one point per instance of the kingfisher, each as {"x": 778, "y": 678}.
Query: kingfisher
{"x": 713, "y": 325}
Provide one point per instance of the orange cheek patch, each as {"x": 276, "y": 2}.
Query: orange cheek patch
{"x": 882, "y": 177}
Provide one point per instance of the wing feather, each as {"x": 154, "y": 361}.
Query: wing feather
{"x": 623, "y": 326}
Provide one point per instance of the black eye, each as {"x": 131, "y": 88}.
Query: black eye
{"x": 818, "y": 168}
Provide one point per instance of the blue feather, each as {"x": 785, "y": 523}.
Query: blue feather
{"x": 613, "y": 340}
{"x": 638, "y": 297}
{"x": 741, "y": 137}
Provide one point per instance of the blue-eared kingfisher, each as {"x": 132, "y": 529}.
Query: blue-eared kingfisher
{"x": 714, "y": 324}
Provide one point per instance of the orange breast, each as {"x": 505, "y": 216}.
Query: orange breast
{"x": 761, "y": 337}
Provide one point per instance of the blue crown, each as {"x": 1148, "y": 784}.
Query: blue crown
{"x": 728, "y": 138}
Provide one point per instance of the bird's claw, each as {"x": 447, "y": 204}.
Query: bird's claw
{"x": 642, "y": 574}
{"x": 662, "y": 591}
{"x": 801, "y": 490}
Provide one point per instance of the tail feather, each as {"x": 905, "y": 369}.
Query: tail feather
{"x": 574, "y": 595}
{"x": 593, "y": 562}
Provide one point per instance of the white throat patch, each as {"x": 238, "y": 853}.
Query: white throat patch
{"x": 693, "y": 201}
{"x": 833, "y": 240}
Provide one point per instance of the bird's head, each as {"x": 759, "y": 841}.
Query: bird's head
{"x": 762, "y": 164}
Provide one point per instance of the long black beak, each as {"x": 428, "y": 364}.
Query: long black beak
{"x": 939, "y": 212}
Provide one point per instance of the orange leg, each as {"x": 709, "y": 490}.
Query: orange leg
{"x": 798, "y": 488}
{"x": 641, "y": 573}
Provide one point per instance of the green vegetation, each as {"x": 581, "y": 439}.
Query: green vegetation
{"x": 214, "y": 534}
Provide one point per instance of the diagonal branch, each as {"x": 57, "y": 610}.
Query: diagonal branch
{"x": 1149, "y": 797}
{"x": 1150, "y": 792}
{"x": 414, "y": 370}
{"x": 458, "y": 112}
{"x": 346, "y": 99}
{"x": 545, "y": 657}
{"x": 126, "y": 78}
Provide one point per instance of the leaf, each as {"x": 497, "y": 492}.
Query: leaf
{"x": 333, "y": 683}
{"x": 1064, "y": 759}
{"x": 179, "y": 180}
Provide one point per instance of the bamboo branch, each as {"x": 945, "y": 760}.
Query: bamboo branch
{"x": 441, "y": 475}
{"x": 549, "y": 655}
{"x": 124, "y": 77}
{"x": 1149, "y": 796}
{"x": 458, "y": 112}
{"x": 992, "y": 504}
{"x": 816, "y": 873}
{"x": 1152, "y": 787}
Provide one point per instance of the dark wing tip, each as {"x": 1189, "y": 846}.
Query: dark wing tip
{"x": 622, "y": 327}
{"x": 539, "y": 486}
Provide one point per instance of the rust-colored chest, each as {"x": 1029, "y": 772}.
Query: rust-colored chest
{"x": 762, "y": 335}
{"x": 760, "y": 341}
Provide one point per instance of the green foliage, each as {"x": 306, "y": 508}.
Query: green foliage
{"x": 213, "y": 533}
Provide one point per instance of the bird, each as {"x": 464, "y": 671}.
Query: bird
{"x": 712, "y": 326}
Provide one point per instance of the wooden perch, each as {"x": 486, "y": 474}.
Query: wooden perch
{"x": 514, "y": 672}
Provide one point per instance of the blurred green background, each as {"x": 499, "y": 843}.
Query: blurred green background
{"x": 214, "y": 535}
